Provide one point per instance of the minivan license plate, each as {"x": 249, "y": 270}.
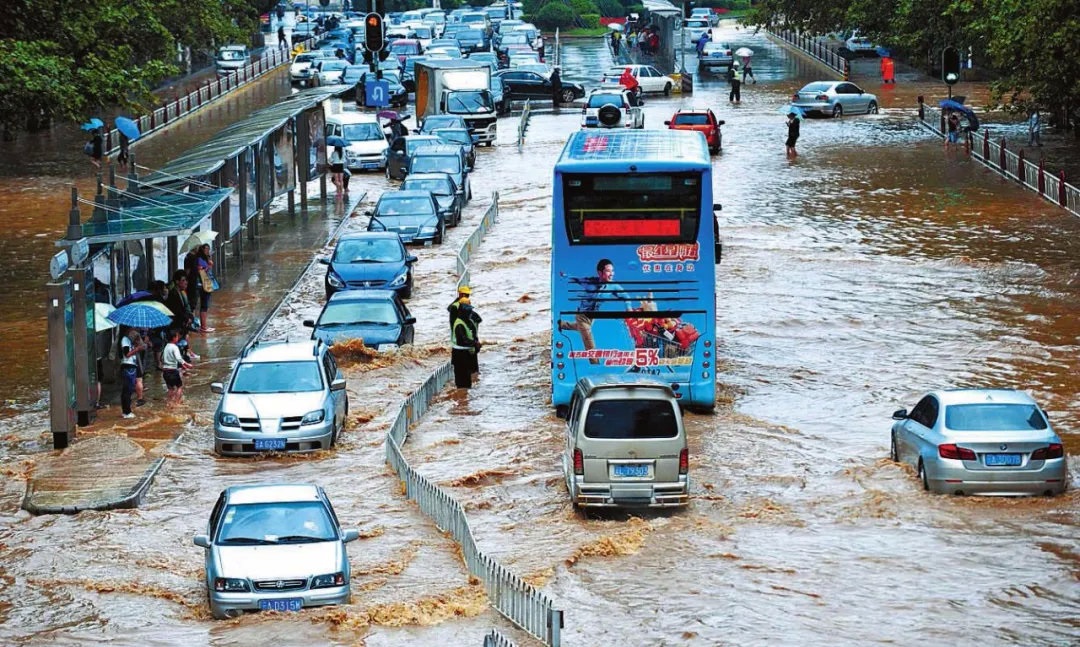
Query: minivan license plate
{"x": 269, "y": 444}
{"x": 1007, "y": 460}
{"x": 283, "y": 604}
{"x": 632, "y": 471}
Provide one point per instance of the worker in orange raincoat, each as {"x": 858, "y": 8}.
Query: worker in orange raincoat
{"x": 628, "y": 81}
{"x": 887, "y": 75}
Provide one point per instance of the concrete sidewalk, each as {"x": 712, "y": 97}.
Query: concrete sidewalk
{"x": 115, "y": 469}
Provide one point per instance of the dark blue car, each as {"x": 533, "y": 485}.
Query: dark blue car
{"x": 379, "y": 317}
{"x": 370, "y": 260}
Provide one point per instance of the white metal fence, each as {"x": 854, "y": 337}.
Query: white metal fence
{"x": 519, "y": 601}
{"x": 496, "y": 639}
{"x": 523, "y": 123}
{"x": 201, "y": 96}
{"x": 812, "y": 47}
{"x": 1012, "y": 165}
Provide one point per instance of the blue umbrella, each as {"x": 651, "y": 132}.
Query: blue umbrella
{"x": 128, "y": 127}
{"x": 949, "y": 104}
{"x": 334, "y": 140}
{"x": 93, "y": 124}
{"x": 786, "y": 110}
{"x": 139, "y": 315}
{"x": 133, "y": 297}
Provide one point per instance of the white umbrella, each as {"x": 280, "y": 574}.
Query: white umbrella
{"x": 197, "y": 240}
{"x": 745, "y": 52}
{"x": 101, "y": 311}
{"x": 614, "y": 26}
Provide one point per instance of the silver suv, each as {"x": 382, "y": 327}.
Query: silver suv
{"x": 611, "y": 107}
{"x": 281, "y": 396}
{"x": 625, "y": 444}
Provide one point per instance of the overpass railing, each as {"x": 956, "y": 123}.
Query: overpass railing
{"x": 521, "y": 603}
{"x": 816, "y": 50}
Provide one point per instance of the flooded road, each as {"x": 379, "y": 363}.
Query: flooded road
{"x": 872, "y": 268}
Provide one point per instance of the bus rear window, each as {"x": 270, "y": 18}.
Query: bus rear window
{"x": 631, "y": 420}
{"x": 632, "y": 208}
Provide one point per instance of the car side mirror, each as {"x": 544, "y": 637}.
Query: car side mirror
{"x": 410, "y": 320}
{"x": 202, "y": 541}
{"x": 900, "y": 414}
{"x": 217, "y": 387}
{"x": 351, "y": 534}
{"x": 338, "y": 384}
{"x": 411, "y": 259}
{"x": 667, "y": 123}
{"x": 309, "y": 323}
{"x": 324, "y": 260}
{"x": 721, "y": 122}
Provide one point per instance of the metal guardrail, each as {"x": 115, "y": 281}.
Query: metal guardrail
{"x": 200, "y": 97}
{"x": 523, "y": 123}
{"x": 1011, "y": 165}
{"x": 496, "y": 639}
{"x": 816, "y": 50}
{"x": 511, "y": 596}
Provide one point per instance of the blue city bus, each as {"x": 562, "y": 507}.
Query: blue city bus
{"x": 633, "y": 252}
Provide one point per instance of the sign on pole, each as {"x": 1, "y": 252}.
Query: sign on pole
{"x": 377, "y": 94}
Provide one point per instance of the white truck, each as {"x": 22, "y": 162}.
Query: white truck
{"x": 461, "y": 88}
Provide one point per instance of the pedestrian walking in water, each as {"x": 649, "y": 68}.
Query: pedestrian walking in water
{"x": 131, "y": 344}
{"x": 1034, "y": 128}
{"x": 747, "y": 70}
{"x": 735, "y": 96}
{"x": 792, "y": 134}
{"x": 953, "y": 128}
{"x": 282, "y": 43}
{"x": 556, "y": 87}
{"x": 171, "y": 363}
{"x": 463, "y": 346}
{"x": 96, "y": 147}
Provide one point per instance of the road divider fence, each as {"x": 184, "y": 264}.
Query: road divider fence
{"x": 1010, "y": 164}
{"x": 516, "y": 599}
{"x": 496, "y": 639}
{"x": 523, "y": 123}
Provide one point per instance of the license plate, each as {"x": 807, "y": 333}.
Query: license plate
{"x": 632, "y": 471}
{"x": 266, "y": 444}
{"x": 369, "y": 165}
{"x": 282, "y": 604}
{"x": 590, "y": 121}
{"x": 1007, "y": 460}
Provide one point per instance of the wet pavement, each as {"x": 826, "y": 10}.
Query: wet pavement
{"x": 875, "y": 266}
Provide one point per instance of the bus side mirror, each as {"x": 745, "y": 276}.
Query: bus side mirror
{"x": 718, "y": 247}
{"x": 717, "y": 206}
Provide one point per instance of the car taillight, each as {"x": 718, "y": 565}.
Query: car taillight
{"x": 954, "y": 452}
{"x": 579, "y": 463}
{"x": 684, "y": 461}
{"x": 1053, "y": 450}
{"x": 822, "y": 97}
{"x": 795, "y": 97}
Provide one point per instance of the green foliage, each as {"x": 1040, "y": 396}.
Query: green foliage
{"x": 582, "y": 7}
{"x": 611, "y": 8}
{"x": 590, "y": 20}
{"x": 554, "y": 14}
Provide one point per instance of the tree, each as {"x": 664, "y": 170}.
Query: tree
{"x": 554, "y": 14}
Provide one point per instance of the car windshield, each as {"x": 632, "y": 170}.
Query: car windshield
{"x": 412, "y": 144}
{"x": 332, "y": 66}
{"x": 437, "y": 164}
{"x": 363, "y": 132}
{"x": 395, "y": 206}
{"x": 631, "y": 419}
{"x": 434, "y": 122}
{"x": 378, "y": 250}
{"x": 422, "y": 32}
{"x": 455, "y": 136}
{"x": 691, "y": 120}
{"x": 339, "y": 313}
{"x": 277, "y": 377}
{"x": 601, "y": 100}
{"x": 994, "y": 417}
{"x": 817, "y": 87}
{"x": 352, "y": 74}
{"x": 438, "y": 187}
{"x": 304, "y": 58}
{"x": 515, "y": 38}
{"x": 697, "y": 24}
{"x": 404, "y": 48}
{"x": 252, "y": 524}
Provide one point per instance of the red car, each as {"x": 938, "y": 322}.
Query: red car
{"x": 702, "y": 120}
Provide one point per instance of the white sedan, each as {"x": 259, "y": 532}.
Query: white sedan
{"x": 648, "y": 77}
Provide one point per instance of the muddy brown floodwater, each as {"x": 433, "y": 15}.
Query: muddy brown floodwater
{"x": 874, "y": 267}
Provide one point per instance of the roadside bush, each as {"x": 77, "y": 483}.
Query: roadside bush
{"x": 554, "y": 15}
{"x": 590, "y": 20}
{"x": 611, "y": 8}
{"x": 582, "y": 7}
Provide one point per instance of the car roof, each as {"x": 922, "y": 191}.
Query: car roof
{"x": 362, "y": 295}
{"x": 280, "y": 351}
{"x": 271, "y": 493}
{"x": 404, "y": 194}
{"x": 592, "y": 384}
{"x": 950, "y": 397}
{"x": 350, "y": 117}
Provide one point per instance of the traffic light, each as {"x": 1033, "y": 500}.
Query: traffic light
{"x": 950, "y": 65}
{"x": 374, "y": 36}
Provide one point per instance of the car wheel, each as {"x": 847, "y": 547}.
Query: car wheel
{"x": 894, "y": 455}
{"x": 387, "y": 171}
{"x": 407, "y": 292}
{"x": 334, "y": 435}
{"x": 440, "y": 233}
{"x": 567, "y": 96}
{"x": 667, "y": 89}
{"x": 838, "y": 111}
{"x": 872, "y": 109}
{"x": 713, "y": 150}
{"x": 922, "y": 476}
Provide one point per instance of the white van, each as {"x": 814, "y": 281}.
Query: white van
{"x": 625, "y": 444}
{"x": 367, "y": 147}
{"x": 231, "y": 58}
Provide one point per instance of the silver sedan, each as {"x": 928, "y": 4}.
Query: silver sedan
{"x": 980, "y": 441}
{"x": 834, "y": 98}
{"x": 274, "y": 548}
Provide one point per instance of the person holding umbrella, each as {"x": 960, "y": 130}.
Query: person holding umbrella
{"x": 337, "y": 167}
{"x": 747, "y": 71}
{"x": 95, "y": 148}
{"x": 129, "y": 132}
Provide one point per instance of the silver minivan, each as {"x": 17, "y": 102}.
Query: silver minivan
{"x": 625, "y": 444}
